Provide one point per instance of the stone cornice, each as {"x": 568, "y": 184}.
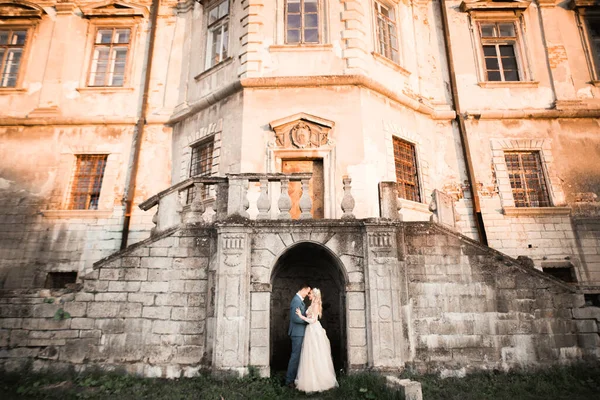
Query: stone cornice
{"x": 533, "y": 114}
{"x": 114, "y": 8}
{"x": 20, "y": 9}
{"x": 67, "y": 121}
{"x": 583, "y": 3}
{"x": 417, "y": 105}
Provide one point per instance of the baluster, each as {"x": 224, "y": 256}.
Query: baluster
{"x": 347, "y": 200}
{"x": 305, "y": 200}
{"x": 197, "y": 208}
{"x": 245, "y": 201}
{"x": 154, "y": 229}
{"x": 263, "y": 203}
{"x": 285, "y": 202}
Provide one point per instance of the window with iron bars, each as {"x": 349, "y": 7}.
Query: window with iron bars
{"x": 499, "y": 43}
{"x": 406, "y": 170}
{"x": 12, "y": 45}
{"x": 109, "y": 59}
{"x": 387, "y": 37}
{"x": 218, "y": 34}
{"x": 201, "y": 165}
{"x": 527, "y": 179}
{"x": 87, "y": 182}
{"x": 302, "y": 21}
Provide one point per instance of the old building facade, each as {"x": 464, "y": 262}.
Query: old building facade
{"x": 364, "y": 120}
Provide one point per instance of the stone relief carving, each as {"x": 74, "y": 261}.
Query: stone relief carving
{"x": 301, "y": 131}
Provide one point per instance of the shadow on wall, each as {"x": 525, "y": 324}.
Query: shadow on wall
{"x": 31, "y": 247}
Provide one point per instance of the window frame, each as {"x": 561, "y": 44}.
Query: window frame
{"x": 583, "y": 15}
{"x": 500, "y": 13}
{"x": 68, "y": 204}
{"x": 110, "y": 23}
{"x": 541, "y": 177}
{"x": 418, "y": 180}
{"x": 393, "y": 10}
{"x": 110, "y": 45}
{"x": 498, "y": 41}
{"x": 29, "y": 26}
{"x": 320, "y": 24}
{"x": 219, "y": 23}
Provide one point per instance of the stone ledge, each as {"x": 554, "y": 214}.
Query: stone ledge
{"x": 519, "y": 211}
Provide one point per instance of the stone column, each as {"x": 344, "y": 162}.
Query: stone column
{"x": 232, "y": 299}
{"x": 383, "y": 301}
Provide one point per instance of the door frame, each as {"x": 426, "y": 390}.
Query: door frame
{"x": 276, "y": 156}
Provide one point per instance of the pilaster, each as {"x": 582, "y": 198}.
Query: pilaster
{"x": 232, "y": 299}
{"x": 354, "y": 49}
{"x": 383, "y": 297}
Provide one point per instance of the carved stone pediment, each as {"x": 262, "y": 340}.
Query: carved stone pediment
{"x": 20, "y": 9}
{"x": 515, "y": 6}
{"x": 114, "y": 9}
{"x": 302, "y": 131}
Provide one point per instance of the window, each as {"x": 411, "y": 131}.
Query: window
{"x": 12, "y": 44}
{"x": 302, "y": 21}
{"x": 593, "y": 29}
{"x": 201, "y": 164}
{"x": 527, "y": 179}
{"x": 406, "y": 170}
{"x": 109, "y": 58}
{"x": 86, "y": 182}
{"x": 218, "y": 34}
{"x": 499, "y": 41}
{"x": 60, "y": 280}
{"x": 387, "y": 37}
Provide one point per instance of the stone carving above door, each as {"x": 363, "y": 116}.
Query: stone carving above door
{"x": 301, "y": 131}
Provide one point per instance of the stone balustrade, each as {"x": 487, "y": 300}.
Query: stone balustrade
{"x": 209, "y": 199}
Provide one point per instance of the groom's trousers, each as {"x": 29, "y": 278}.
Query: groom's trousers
{"x": 292, "y": 370}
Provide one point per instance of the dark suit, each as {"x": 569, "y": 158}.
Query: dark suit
{"x": 296, "y": 333}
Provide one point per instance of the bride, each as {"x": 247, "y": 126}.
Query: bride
{"x": 315, "y": 371}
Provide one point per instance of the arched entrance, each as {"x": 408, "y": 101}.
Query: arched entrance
{"x": 312, "y": 263}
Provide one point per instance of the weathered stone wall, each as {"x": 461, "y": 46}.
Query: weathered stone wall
{"x": 473, "y": 308}
{"x": 143, "y": 309}
{"x": 38, "y": 233}
{"x": 193, "y": 297}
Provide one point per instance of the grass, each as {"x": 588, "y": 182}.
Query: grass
{"x": 577, "y": 382}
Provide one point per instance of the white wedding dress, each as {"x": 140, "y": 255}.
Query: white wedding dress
{"x": 315, "y": 371}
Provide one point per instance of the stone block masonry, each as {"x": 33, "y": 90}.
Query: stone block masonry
{"x": 145, "y": 313}
{"x": 477, "y": 308}
{"x": 202, "y": 296}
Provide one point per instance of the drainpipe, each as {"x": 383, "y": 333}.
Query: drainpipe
{"x": 462, "y": 129}
{"x": 138, "y": 133}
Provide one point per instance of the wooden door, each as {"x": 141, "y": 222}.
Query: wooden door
{"x": 316, "y": 185}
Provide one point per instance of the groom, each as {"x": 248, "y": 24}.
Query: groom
{"x": 296, "y": 333}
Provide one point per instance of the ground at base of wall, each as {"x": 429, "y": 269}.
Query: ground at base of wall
{"x": 575, "y": 382}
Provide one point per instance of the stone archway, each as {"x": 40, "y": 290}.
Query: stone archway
{"x": 312, "y": 263}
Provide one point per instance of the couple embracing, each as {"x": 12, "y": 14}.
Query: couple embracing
{"x": 310, "y": 366}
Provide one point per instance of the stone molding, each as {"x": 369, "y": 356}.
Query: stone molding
{"x": 486, "y": 6}
{"x": 112, "y": 8}
{"x": 416, "y": 104}
{"x": 533, "y": 114}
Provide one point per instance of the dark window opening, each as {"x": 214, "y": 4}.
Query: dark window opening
{"x": 201, "y": 165}
{"x": 592, "y": 299}
{"x": 566, "y": 274}
{"x": 60, "y": 280}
